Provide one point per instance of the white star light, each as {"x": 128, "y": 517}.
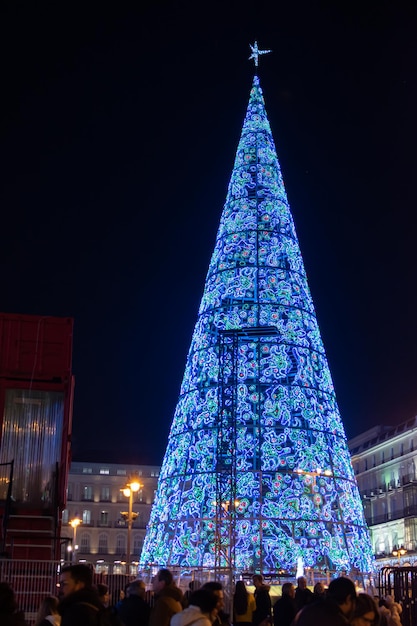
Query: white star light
{"x": 256, "y": 52}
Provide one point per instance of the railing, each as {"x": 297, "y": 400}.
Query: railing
{"x": 31, "y": 582}
{"x": 403, "y": 481}
{"x": 407, "y": 511}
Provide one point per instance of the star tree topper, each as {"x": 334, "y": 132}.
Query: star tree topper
{"x": 256, "y": 53}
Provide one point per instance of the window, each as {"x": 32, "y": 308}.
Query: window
{"x": 102, "y": 543}
{"x": 104, "y": 518}
{"x": 137, "y": 545}
{"x": 65, "y": 516}
{"x": 87, "y": 470}
{"x": 87, "y": 492}
{"x": 121, "y": 472}
{"x": 86, "y": 517}
{"x": 104, "y": 470}
{"x": 120, "y": 544}
{"x": 105, "y": 494}
{"x": 85, "y": 542}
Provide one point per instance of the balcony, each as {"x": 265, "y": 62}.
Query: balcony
{"x": 408, "y": 511}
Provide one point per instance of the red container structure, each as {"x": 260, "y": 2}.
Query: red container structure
{"x": 36, "y": 397}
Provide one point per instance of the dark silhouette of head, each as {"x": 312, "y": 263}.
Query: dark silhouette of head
{"x": 205, "y": 599}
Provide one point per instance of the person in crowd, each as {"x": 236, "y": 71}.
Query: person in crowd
{"x": 303, "y": 595}
{"x": 285, "y": 608}
{"x": 202, "y": 610}
{"x": 9, "y": 613}
{"x": 168, "y": 599}
{"x": 335, "y": 610}
{"x": 192, "y": 586}
{"x": 392, "y": 611}
{"x": 80, "y": 603}
{"x": 111, "y": 617}
{"x": 244, "y": 605}
{"x": 48, "y": 614}
{"x": 382, "y": 611}
{"x": 366, "y": 611}
{"x": 319, "y": 592}
{"x": 122, "y": 595}
{"x": 133, "y": 610}
{"x": 222, "y": 618}
{"x": 103, "y": 594}
{"x": 263, "y": 601}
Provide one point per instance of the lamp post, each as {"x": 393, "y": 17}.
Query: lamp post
{"x": 399, "y": 552}
{"x": 74, "y": 523}
{"x": 314, "y": 473}
{"x": 128, "y": 491}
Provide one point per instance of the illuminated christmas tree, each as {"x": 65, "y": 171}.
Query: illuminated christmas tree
{"x": 257, "y": 475}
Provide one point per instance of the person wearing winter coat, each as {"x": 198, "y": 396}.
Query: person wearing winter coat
{"x": 335, "y": 610}
{"x": 221, "y": 618}
{"x": 168, "y": 599}
{"x": 244, "y": 605}
{"x": 48, "y": 612}
{"x": 366, "y": 611}
{"x": 285, "y": 608}
{"x": 393, "y": 611}
{"x": 200, "y": 612}
{"x": 263, "y": 601}
{"x": 80, "y": 603}
{"x": 303, "y": 595}
{"x": 9, "y": 613}
{"x": 133, "y": 610}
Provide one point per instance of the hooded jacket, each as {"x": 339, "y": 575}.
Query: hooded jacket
{"x": 192, "y": 615}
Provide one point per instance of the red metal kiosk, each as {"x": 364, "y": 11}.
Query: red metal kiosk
{"x": 36, "y": 399}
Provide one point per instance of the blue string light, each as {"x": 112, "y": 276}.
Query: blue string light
{"x": 297, "y": 495}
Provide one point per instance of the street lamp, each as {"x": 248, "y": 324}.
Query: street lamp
{"x": 314, "y": 473}
{"x": 399, "y": 552}
{"x": 128, "y": 491}
{"x": 74, "y": 523}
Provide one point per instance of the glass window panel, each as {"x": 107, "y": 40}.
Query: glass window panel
{"x": 32, "y": 437}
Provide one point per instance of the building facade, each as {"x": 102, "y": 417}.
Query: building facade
{"x": 95, "y": 496}
{"x": 385, "y": 464}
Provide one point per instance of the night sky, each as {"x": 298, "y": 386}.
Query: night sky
{"x": 118, "y": 135}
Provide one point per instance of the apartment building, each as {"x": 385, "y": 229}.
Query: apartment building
{"x": 95, "y": 496}
{"x": 385, "y": 464}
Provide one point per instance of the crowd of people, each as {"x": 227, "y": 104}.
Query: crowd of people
{"x": 81, "y": 603}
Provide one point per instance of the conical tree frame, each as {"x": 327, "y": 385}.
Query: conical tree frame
{"x": 257, "y": 474}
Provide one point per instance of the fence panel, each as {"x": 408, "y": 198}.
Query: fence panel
{"x": 31, "y": 581}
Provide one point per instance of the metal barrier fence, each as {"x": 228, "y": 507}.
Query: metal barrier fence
{"x": 31, "y": 581}
{"x": 401, "y": 583}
